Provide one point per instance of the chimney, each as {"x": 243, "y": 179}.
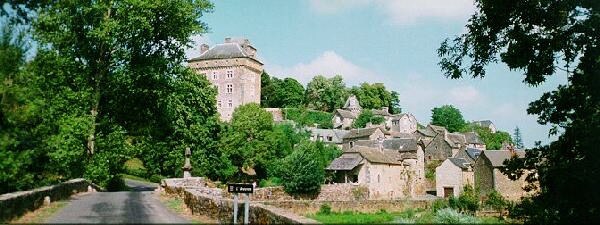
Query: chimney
{"x": 203, "y": 48}
{"x": 227, "y": 40}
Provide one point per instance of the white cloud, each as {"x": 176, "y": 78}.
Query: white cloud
{"x": 327, "y": 64}
{"x": 465, "y": 96}
{"x": 402, "y": 12}
{"x": 195, "y": 50}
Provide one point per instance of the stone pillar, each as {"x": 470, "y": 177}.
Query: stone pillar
{"x": 187, "y": 167}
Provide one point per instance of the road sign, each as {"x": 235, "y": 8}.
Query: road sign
{"x": 240, "y": 188}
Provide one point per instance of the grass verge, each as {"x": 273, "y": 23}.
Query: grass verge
{"x": 176, "y": 205}
{"x": 410, "y": 216}
{"x": 40, "y": 215}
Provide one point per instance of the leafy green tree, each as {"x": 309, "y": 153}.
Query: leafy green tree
{"x": 292, "y": 93}
{"x": 518, "y": 138}
{"x": 304, "y": 170}
{"x": 246, "y": 141}
{"x": 467, "y": 201}
{"x": 541, "y": 38}
{"x": 496, "y": 201}
{"x": 394, "y": 105}
{"x": 309, "y": 117}
{"x": 109, "y": 71}
{"x": 372, "y": 96}
{"x": 326, "y": 94}
{"x": 366, "y": 116}
{"x": 492, "y": 141}
{"x": 448, "y": 116}
{"x": 277, "y": 93}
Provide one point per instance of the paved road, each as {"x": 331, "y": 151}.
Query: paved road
{"x": 140, "y": 206}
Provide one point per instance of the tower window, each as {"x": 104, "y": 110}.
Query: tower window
{"x": 219, "y": 104}
{"x": 229, "y": 88}
{"x": 230, "y": 103}
{"x": 229, "y": 74}
{"x": 215, "y": 75}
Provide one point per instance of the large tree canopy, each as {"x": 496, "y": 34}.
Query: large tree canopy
{"x": 448, "y": 116}
{"x": 543, "y": 38}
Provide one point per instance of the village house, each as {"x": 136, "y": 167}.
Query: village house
{"x": 474, "y": 141}
{"x": 390, "y": 169}
{"x": 439, "y": 143}
{"x": 488, "y": 175}
{"x": 329, "y": 136}
{"x": 344, "y": 117}
{"x": 486, "y": 123}
{"x": 370, "y": 133}
{"x": 233, "y": 68}
{"x": 403, "y": 123}
{"x": 456, "y": 172}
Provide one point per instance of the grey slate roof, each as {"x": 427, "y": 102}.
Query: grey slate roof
{"x": 345, "y": 162}
{"x": 381, "y": 112}
{"x": 346, "y": 114}
{"x": 473, "y": 153}
{"x": 472, "y": 138}
{"x": 335, "y": 134}
{"x": 460, "y": 162}
{"x": 497, "y": 157}
{"x": 396, "y": 144}
{"x": 362, "y": 132}
{"x": 375, "y": 155}
{"x": 483, "y": 123}
{"x": 224, "y": 51}
{"x": 456, "y": 139}
{"x": 438, "y": 129}
{"x": 427, "y": 131}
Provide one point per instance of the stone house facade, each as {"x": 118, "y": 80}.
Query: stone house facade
{"x": 488, "y": 175}
{"x": 404, "y": 123}
{"x": 486, "y": 123}
{"x": 354, "y": 135}
{"x": 387, "y": 173}
{"x": 474, "y": 141}
{"x": 439, "y": 143}
{"x": 452, "y": 175}
{"x": 233, "y": 68}
{"x": 344, "y": 117}
{"x": 329, "y": 136}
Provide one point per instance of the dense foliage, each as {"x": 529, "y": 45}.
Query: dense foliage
{"x": 326, "y": 94}
{"x": 366, "y": 116}
{"x": 467, "y": 201}
{"x": 107, "y": 81}
{"x": 303, "y": 171}
{"x": 492, "y": 141}
{"x": 277, "y": 93}
{"x": 542, "y": 38}
{"x": 308, "y": 117}
{"x": 448, "y": 116}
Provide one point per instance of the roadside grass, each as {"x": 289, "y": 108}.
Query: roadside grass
{"x": 40, "y": 215}
{"x": 136, "y": 178}
{"x": 410, "y": 216}
{"x": 177, "y": 205}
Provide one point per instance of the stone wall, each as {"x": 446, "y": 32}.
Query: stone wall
{"x": 13, "y": 205}
{"x": 329, "y": 192}
{"x": 208, "y": 202}
{"x": 304, "y": 207}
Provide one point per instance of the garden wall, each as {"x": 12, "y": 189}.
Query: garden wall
{"x": 13, "y": 205}
{"x": 303, "y": 207}
{"x": 210, "y": 202}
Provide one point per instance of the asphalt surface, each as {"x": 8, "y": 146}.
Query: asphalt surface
{"x": 139, "y": 206}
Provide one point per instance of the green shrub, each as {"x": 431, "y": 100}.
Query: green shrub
{"x": 325, "y": 209}
{"x": 135, "y": 166}
{"x": 304, "y": 169}
{"x": 496, "y": 201}
{"x": 451, "y": 216}
{"x": 467, "y": 201}
{"x": 155, "y": 178}
{"x": 439, "y": 204}
{"x": 270, "y": 182}
{"x": 430, "y": 169}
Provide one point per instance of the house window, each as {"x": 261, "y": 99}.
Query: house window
{"x": 329, "y": 138}
{"x": 215, "y": 75}
{"x": 229, "y": 74}
{"x": 351, "y": 144}
{"x": 229, "y": 88}
{"x": 219, "y": 105}
{"x": 230, "y": 103}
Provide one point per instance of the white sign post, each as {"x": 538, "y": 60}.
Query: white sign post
{"x": 236, "y": 189}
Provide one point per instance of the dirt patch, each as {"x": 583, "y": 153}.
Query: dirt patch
{"x": 177, "y": 205}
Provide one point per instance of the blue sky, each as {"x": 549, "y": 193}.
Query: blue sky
{"x": 389, "y": 41}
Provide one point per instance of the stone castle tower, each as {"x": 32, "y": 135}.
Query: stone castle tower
{"x": 234, "y": 70}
